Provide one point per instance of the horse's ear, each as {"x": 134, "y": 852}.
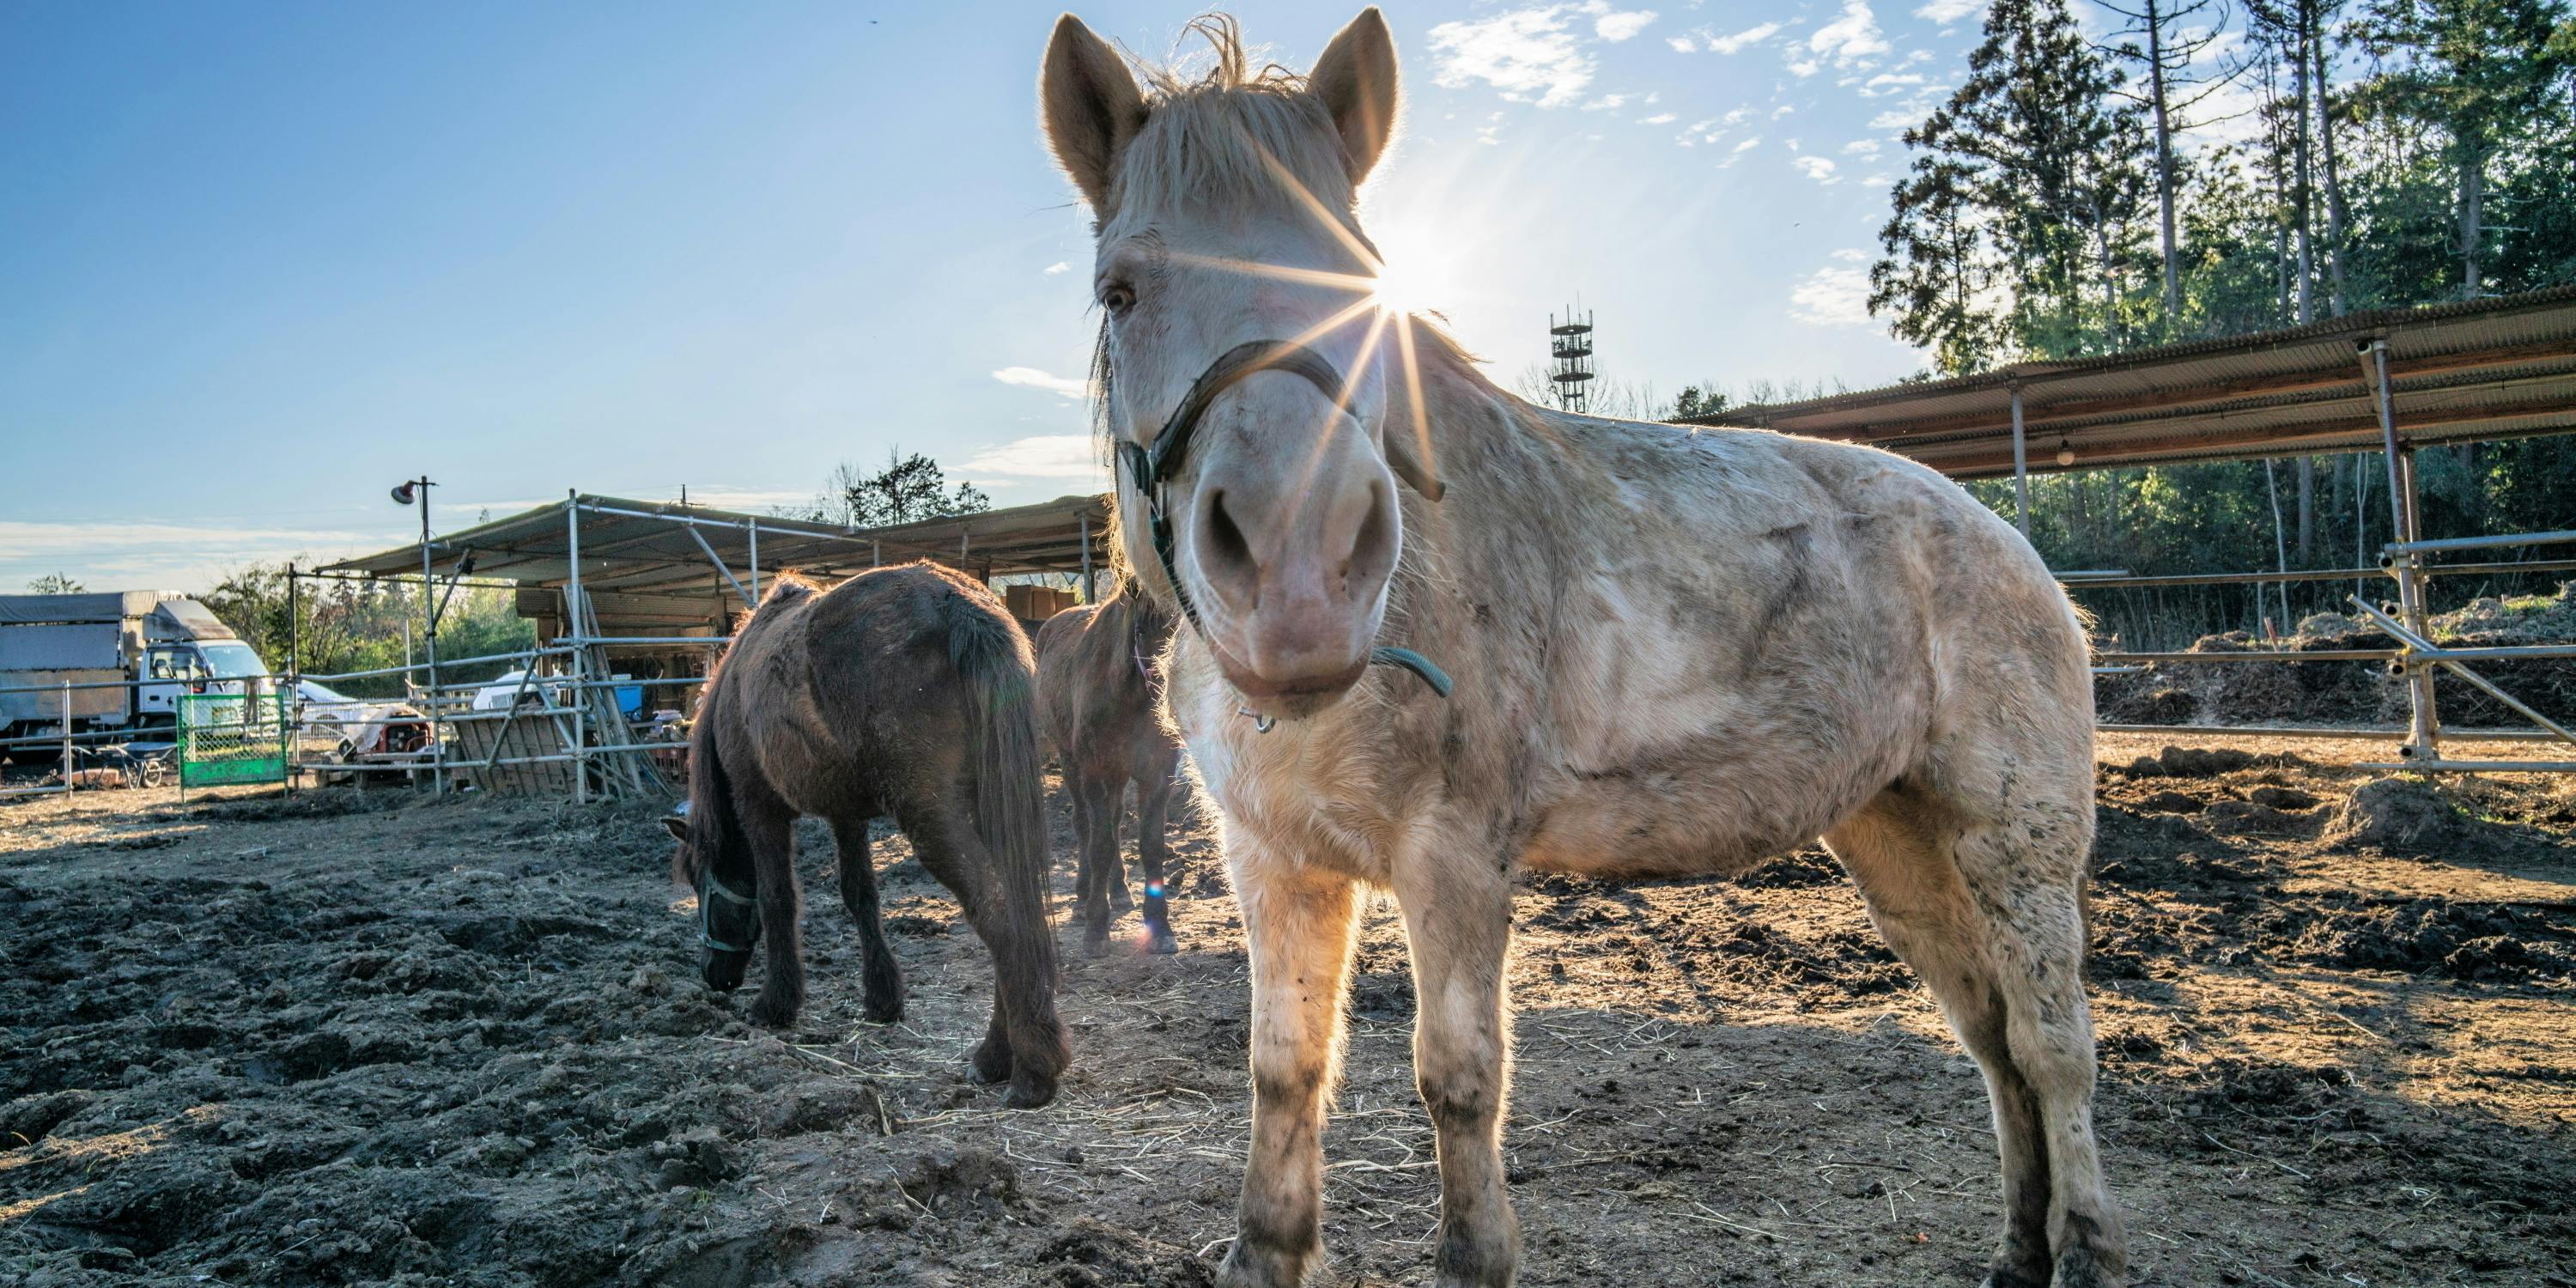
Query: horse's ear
{"x": 677, "y": 826}
{"x": 1090, "y": 105}
{"x": 1356, "y": 79}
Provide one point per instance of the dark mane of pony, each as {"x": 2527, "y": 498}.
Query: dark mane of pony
{"x": 714, "y": 827}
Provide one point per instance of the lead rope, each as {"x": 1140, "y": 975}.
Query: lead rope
{"x": 1149, "y": 468}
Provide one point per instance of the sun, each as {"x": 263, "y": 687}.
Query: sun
{"x": 1400, "y": 289}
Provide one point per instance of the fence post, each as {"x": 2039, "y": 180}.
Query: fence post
{"x": 573, "y": 609}
{"x": 291, "y": 704}
{"x": 68, "y": 769}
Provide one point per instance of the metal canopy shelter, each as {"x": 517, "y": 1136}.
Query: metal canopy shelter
{"x": 2390, "y": 381}
{"x": 657, "y": 569}
{"x": 2503, "y": 367}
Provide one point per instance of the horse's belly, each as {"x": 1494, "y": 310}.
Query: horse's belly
{"x": 1635, "y": 826}
{"x": 1725, "y": 797}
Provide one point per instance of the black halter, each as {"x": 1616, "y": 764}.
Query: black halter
{"x": 1149, "y": 468}
{"x": 709, "y": 890}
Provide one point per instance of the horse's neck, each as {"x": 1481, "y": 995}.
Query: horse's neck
{"x": 1518, "y": 482}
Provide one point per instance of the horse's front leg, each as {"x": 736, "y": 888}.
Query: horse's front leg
{"x": 1458, "y": 923}
{"x": 1297, "y": 922}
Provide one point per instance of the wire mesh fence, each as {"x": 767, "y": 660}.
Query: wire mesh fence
{"x": 233, "y": 739}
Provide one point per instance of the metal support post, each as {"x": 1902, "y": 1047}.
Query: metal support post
{"x": 573, "y": 610}
{"x": 2021, "y": 467}
{"x": 2424, "y": 726}
{"x": 68, "y": 769}
{"x": 753, "y": 526}
{"x": 429, "y": 624}
{"x": 292, "y": 709}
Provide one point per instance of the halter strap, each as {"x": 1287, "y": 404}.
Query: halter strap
{"x": 708, "y": 885}
{"x": 1150, "y": 467}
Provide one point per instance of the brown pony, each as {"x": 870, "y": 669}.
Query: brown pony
{"x": 1100, "y": 702}
{"x": 1675, "y": 652}
{"x": 902, "y": 691}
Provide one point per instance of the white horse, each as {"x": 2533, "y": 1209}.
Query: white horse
{"x": 1676, "y": 651}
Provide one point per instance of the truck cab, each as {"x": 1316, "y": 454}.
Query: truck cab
{"x": 128, "y": 655}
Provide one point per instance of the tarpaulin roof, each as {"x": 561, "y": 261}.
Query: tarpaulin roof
{"x": 2503, "y": 367}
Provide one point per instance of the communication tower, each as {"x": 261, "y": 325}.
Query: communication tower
{"x": 1570, "y": 343}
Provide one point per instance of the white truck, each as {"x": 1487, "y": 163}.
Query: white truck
{"x": 168, "y": 642}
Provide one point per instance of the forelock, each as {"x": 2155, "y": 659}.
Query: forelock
{"x": 1212, "y": 134}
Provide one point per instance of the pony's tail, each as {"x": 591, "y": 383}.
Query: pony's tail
{"x": 992, "y": 656}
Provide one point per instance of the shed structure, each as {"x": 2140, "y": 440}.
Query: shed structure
{"x": 633, "y": 595}
{"x": 2391, "y": 381}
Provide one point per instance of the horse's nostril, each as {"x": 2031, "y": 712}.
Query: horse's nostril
{"x": 1228, "y": 548}
{"x": 1371, "y": 556}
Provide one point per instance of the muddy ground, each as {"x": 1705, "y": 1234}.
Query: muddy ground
{"x": 374, "y": 1038}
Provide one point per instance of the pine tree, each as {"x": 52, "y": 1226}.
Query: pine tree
{"x": 2479, "y": 71}
{"x": 2031, "y": 177}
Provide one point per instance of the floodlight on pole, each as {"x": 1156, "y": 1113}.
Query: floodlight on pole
{"x": 409, "y": 492}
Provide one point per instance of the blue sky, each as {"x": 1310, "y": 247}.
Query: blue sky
{"x": 263, "y": 261}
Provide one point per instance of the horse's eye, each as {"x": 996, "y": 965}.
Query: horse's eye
{"x": 1117, "y": 297}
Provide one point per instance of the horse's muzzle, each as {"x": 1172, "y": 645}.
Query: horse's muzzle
{"x": 723, "y": 970}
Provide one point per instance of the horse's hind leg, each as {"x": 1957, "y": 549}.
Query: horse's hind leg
{"x": 1024, "y": 1042}
{"x": 1153, "y": 806}
{"x": 1099, "y": 799}
{"x": 769, "y": 826}
{"x": 883, "y": 979}
{"x": 1988, "y": 915}
{"x": 1114, "y": 867}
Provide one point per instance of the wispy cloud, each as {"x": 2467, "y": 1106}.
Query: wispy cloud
{"x": 1041, "y": 456}
{"x": 1620, "y": 24}
{"x": 1862, "y": 148}
{"x": 165, "y": 556}
{"x": 1714, "y": 129}
{"x": 1682, "y": 44}
{"x": 1534, "y": 54}
{"x": 1886, "y": 83}
{"x": 1816, "y": 168}
{"x": 1946, "y": 12}
{"x": 1031, "y": 377}
{"x": 1835, "y": 295}
{"x": 1851, "y": 39}
{"x": 1737, "y": 152}
{"x": 1531, "y": 55}
{"x": 1060, "y": 266}
{"x": 1659, "y": 118}
{"x": 1742, "y": 40}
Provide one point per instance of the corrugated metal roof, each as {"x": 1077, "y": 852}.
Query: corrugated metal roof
{"x": 2503, "y": 367}
{"x": 656, "y": 568}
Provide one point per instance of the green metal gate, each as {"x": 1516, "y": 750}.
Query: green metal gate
{"x": 229, "y": 738}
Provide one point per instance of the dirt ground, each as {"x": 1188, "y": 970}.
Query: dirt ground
{"x": 376, "y": 1038}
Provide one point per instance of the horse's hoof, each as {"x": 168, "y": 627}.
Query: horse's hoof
{"x": 1160, "y": 942}
{"x": 889, "y": 1013}
{"x": 1030, "y": 1093}
{"x": 1095, "y": 945}
{"x": 770, "y": 1014}
{"x": 1120, "y": 900}
{"x": 991, "y": 1062}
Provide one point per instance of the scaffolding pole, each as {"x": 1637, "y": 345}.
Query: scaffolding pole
{"x": 2021, "y": 467}
{"x": 580, "y": 656}
{"x": 2424, "y": 726}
